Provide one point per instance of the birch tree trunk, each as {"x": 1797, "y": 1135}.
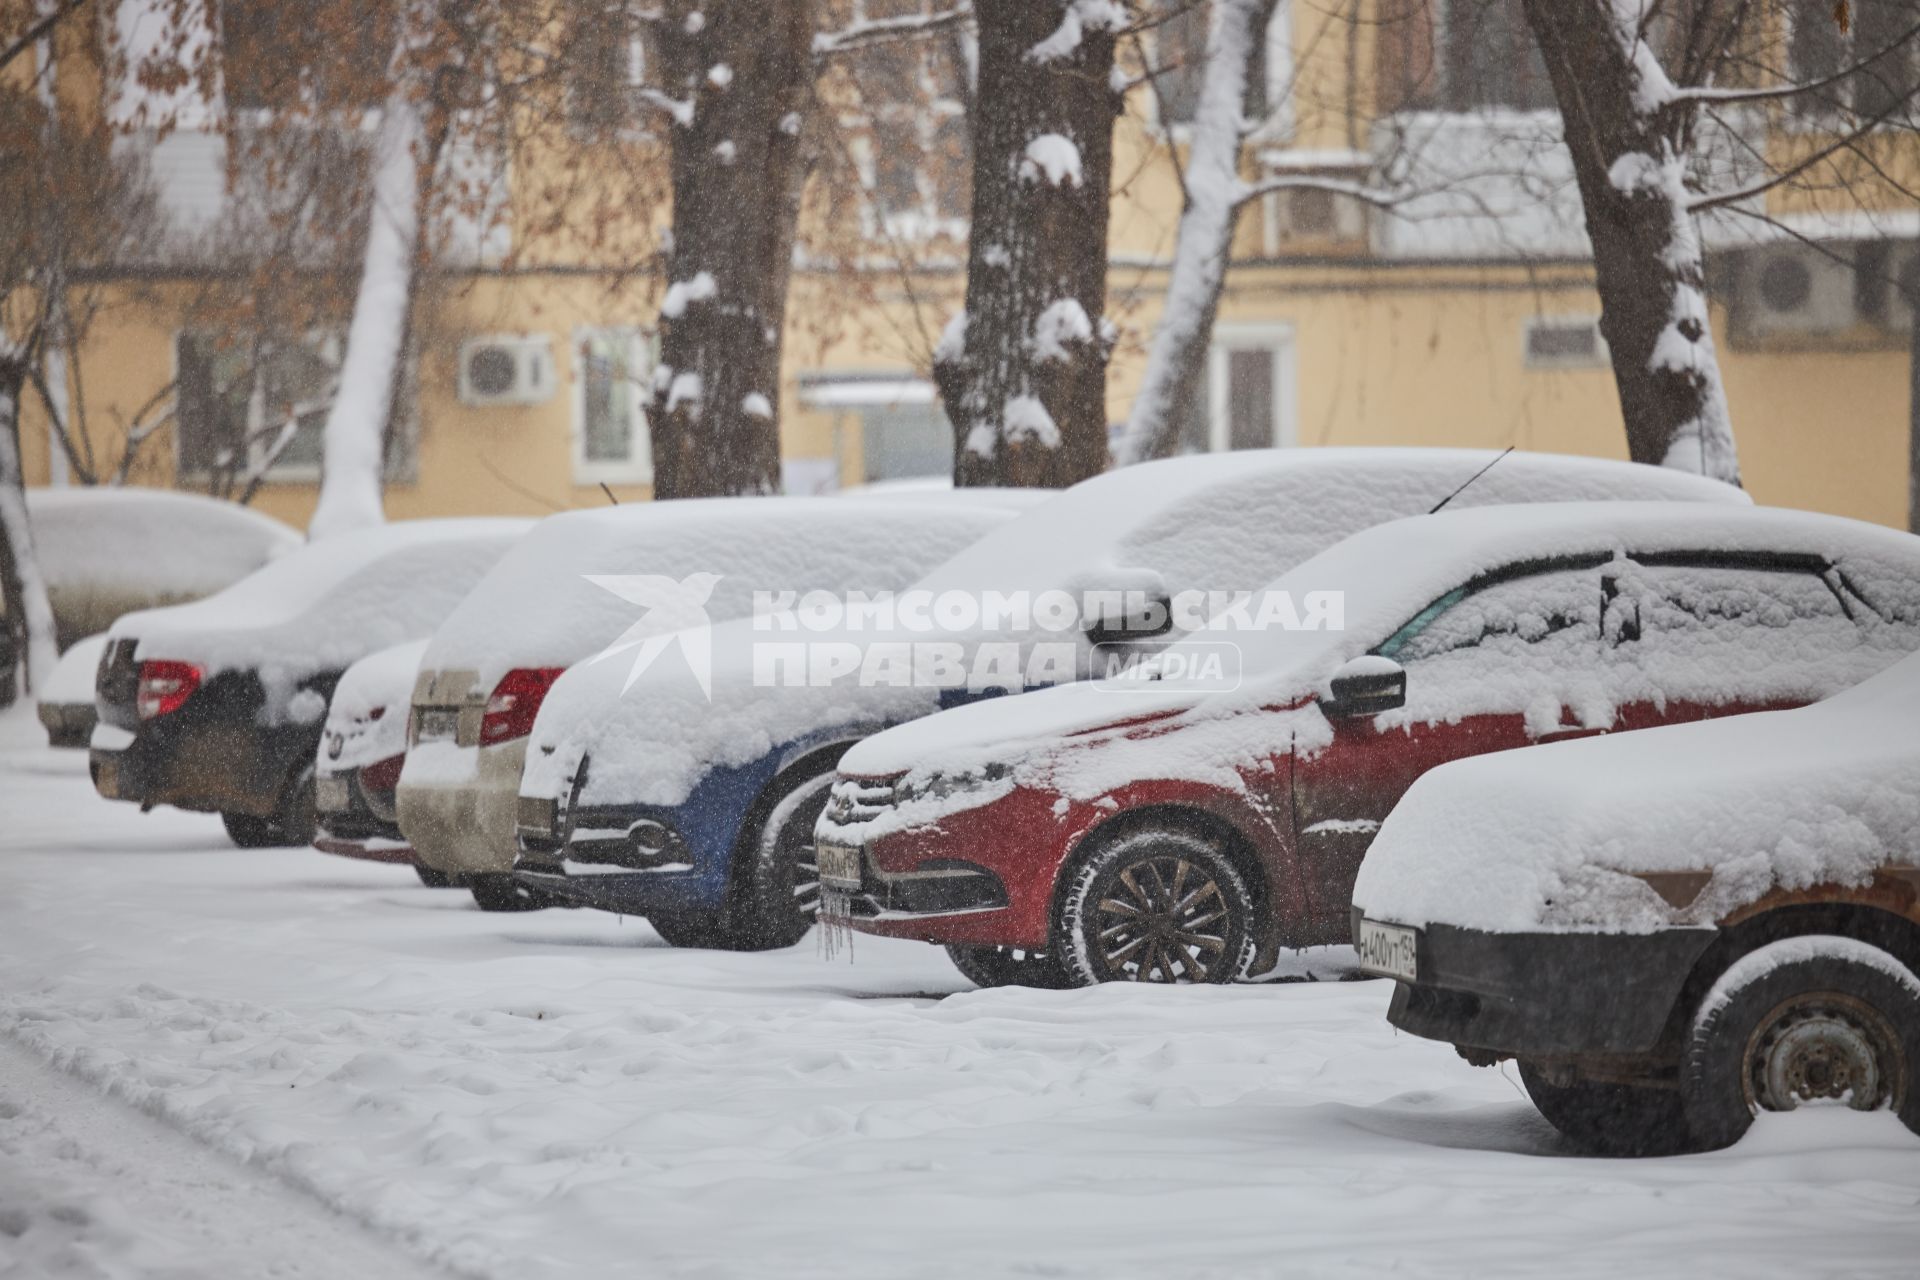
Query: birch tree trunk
{"x": 1175, "y": 381}
{"x": 1629, "y": 134}
{"x": 1022, "y": 371}
{"x": 353, "y": 461}
{"x": 29, "y": 612}
{"x": 740, "y": 85}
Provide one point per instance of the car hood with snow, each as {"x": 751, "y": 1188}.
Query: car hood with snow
{"x": 325, "y": 605}
{"x": 1218, "y": 523}
{"x": 367, "y": 715}
{"x": 1086, "y": 740}
{"x": 1585, "y": 835}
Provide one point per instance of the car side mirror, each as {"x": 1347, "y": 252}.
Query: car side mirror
{"x": 1365, "y": 686}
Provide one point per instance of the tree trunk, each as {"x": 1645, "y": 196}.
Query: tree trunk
{"x": 29, "y": 613}
{"x": 413, "y": 128}
{"x": 1175, "y": 382}
{"x": 1910, "y": 292}
{"x": 1023, "y": 370}
{"x": 1629, "y": 140}
{"x": 740, "y": 85}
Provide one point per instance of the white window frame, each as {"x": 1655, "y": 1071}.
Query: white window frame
{"x": 257, "y": 444}
{"x": 1278, "y": 127}
{"x": 1276, "y": 338}
{"x": 637, "y": 467}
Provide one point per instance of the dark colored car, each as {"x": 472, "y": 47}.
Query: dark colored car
{"x": 1672, "y": 932}
{"x": 1140, "y": 831}
{"x": 218, "y": 705}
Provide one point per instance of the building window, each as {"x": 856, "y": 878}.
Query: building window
{"x": 1821, "y": 43}
{"x": 1248, "y": 402}
{"x": 1564, "y": 342}
{"x": 245, "y": 407}
{"x": 606, "y": 66}
{"x": 1459, "y": 55}
{"x": 330, "y": 52}
{"x": 1180, "y": 62}
{"x": 611, "y": 441}
{"x": 917, "y": 169}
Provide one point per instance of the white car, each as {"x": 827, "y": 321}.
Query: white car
{"x": 697, "y": 811}
{"x": 588, "y": 579}
{"x": 362, "y": 748}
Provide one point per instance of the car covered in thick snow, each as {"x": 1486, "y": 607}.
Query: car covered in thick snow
{"x": 1674, "y": 931}
{"x": 108, "y": 550}
{"x": 217, "y": 705}
{"x": 625, "y": 576}
{"x": 695, "y": 807}
{"x": 66, "y": 700}
{"x": 1170, "y": 830}
{"x": 362, "y": 748}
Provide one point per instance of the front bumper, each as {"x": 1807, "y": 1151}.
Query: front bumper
{"x": 467, "y": 828}
{"x": 1546, "y": 995}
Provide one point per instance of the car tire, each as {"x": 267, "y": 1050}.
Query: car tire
{"x": 249, "y": 831}
{"x": 1010, "y": 967}
{"x": 497, "y": 892}
{"x": 700, "y": 930}
{"x": 1193, "y": 902}
{"x": 1610, "y": 1119}
{"x": 1798, "y": 1020}
{"x": 436, "y": 879}
{"x": 779, "y": 892}
{"x": 299, "y": 816}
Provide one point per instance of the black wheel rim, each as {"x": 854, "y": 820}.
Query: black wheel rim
{"x": 1163, "y": 919}
{"x": 1824, "y": 1047}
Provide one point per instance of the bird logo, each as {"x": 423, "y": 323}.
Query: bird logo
{"x": 674, "y": 613}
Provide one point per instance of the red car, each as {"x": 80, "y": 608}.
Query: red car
{"x": 1143, "y": 829}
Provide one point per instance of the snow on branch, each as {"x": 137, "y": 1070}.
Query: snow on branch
{"x": 872, "y": 31}
{"x": 679, "y": 109}
{"x": 1378, "y": 197}
{"x": 1080, "y": 17}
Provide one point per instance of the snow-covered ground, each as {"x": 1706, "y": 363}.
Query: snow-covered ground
{"x": 561, "y": 1094}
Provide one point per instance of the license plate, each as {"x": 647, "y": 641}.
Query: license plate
{"x": 330, "y": 795}
{"x": 439, "y": 723}
{"x": 839, "y": 865}
{"x": 1390, "y": 950}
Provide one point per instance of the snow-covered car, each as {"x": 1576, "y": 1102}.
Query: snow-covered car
{"x": 66, "y": 701}
{"x": 628, "y": 575}
{"x": 362, "y": 748}
{"x": 1673, "y": 931}
{"x": 1151, "y": 830}
{"x": 690, "y": 808}
{"x": 105, "y": 551}
{"x": 217, "y": 705}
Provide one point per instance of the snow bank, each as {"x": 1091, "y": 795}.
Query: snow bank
{"x": 326, "y": 605}
{"x": 1224, "y": 522}
{"x": 1552, "y": 838}
{"x": 72, "y": 680}
{"x": 367, "y": 715}
{"x": 149, "y": 544}
{"x": 1085, "y": 741}
{"x": 539, "y": 608}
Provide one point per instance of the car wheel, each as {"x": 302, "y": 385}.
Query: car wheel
{"x": 434, "y": 879}
{"x": 299, "y": 817}
{"x": 496, "y": 892}
{"x": 1610, "y": 1119}
{"x": 1804, "y": 1020}
{"x": 703, "y": 930}
{"x": 780, "y": 894}
{"x": 1156, "y": 906}
{"x": 251, "y": 832}
{"x": 1010, "y": 967}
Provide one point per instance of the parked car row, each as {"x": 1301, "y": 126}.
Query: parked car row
{"x": 1282, "y": 714}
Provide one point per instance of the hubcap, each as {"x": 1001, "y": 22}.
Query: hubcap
{"x": 1163, "y": 920}
{"x": 1823, "y": 1047}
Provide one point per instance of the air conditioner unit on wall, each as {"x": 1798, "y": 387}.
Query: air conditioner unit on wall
{"x": 506, "y": 369}
{"x": 1794, "y": 289}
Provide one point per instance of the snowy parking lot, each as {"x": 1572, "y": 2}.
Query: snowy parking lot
{"x": 562, "y": 1094}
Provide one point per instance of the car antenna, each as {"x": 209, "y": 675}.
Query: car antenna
{"x": 616, "y": 502}
{"x": 1470, "y": 479}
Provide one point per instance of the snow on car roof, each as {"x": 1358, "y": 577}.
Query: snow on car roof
{"x": 538, "y": 609}
{"x": 72, "y": 680}
{"x": 1551, "y": 838}
{"x": 329, "y": 603}
{"x": 155, "y": 541}
{"x": 1385, "y": 575}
